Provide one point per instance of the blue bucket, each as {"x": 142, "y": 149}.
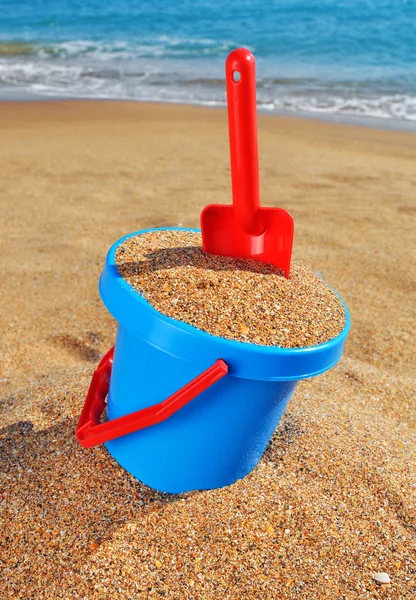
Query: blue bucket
{"x": 219, "y": 436}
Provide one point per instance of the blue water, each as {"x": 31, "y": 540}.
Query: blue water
{"x": 341, "y": 57}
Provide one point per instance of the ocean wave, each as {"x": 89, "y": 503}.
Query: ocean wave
{"x": 16, "y": 49}
{"x": 149, "y": 47}
{"x": 192, "y": 82}
{"x": 394, "y": 106}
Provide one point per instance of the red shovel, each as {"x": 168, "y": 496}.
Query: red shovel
{"x": 245, "y": 229}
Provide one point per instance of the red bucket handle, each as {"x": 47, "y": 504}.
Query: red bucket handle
{"x": 90, "y": 432}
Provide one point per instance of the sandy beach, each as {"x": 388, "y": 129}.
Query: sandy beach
{"x": 333, "y": 499}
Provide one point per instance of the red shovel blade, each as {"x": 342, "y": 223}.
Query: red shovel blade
{"x": 222, "y": 234}
{"x": 245, "y": 229}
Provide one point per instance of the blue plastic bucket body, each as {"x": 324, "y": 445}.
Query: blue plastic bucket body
{"x": 211, "y": 442}
{"x": 219, "y": 436}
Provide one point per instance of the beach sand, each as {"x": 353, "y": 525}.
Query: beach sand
{"x": 333, "y": 499}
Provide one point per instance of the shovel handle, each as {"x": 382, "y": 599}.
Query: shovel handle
{"x": 240, "y": 75}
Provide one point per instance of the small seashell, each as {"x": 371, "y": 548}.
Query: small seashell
{"x": 381, "y": 577}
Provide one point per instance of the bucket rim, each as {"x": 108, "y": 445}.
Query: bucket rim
{"x": 339, "y": 339}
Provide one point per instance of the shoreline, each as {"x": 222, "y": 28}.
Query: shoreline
{"x": 333, "y": 118}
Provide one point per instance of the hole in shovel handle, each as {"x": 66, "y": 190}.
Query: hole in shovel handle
{"x": 236, "y": 76}
{"x": 90, "y": 432}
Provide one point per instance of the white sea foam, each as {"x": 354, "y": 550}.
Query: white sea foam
{"x": 86, "y": 69}
{"x": 149, "y": 47}
{"x": 394, "y": 106}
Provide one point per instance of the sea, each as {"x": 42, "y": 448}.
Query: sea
{"x": 336, "y": 58}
